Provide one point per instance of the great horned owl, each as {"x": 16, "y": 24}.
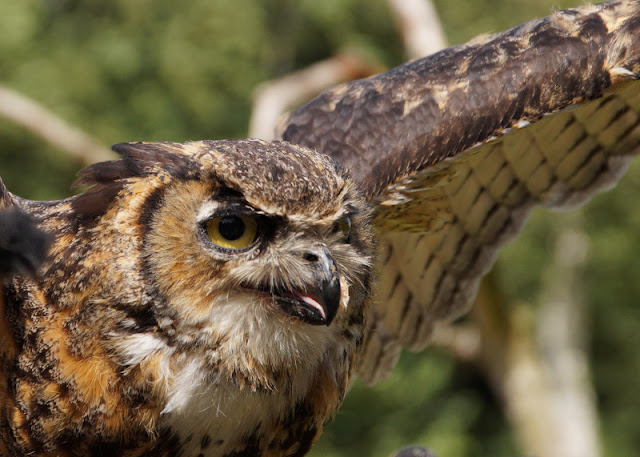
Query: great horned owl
{"x": 215, "y": 298}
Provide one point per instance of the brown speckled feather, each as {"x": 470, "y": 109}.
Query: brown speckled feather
{"x": 458, "y": 147}
{"x": 140, "y": 336}
{"x": 212, "y": 298}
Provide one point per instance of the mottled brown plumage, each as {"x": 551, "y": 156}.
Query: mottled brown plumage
{"x": 457, "y": 148}
{"x": 215, "y": 298}
{"x": 138, "y": 319}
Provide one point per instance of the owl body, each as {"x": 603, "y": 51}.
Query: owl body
{"x": 211, "y": 298}
{"x": 150, "y": 333}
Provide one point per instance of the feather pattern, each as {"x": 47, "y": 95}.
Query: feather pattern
{"x": 140, "y": 334}
{"x": 455, "y": 150}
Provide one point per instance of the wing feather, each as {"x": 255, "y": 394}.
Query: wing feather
{"x": 457, "y": 148}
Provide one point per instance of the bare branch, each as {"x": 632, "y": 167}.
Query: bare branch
{"x": 274, "y": 98}
{"x": 420, "y": 26}
{"x": 46, "y": 125}
{"x": 573, "y": 421}
{"x": 461, "y": 340}
{"x": 539, "y": 367}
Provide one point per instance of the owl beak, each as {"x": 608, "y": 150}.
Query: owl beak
{"x": 318, "y": 303}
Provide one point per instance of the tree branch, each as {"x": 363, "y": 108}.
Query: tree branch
{"x": 51, "y": 128}
{"x": 274, "y": 98}
{"x": 419, "y": 24}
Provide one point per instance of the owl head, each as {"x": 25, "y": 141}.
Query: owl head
{"x": 254, "y": 254}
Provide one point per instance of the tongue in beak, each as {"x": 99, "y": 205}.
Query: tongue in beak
{"x": 317, "y": 307}
{"x": 318, "y": 303}
{"x": 310, "y": 301}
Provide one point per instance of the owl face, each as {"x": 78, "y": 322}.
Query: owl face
{"x": 256, "y": 254}
{"x": 227, "y": 276}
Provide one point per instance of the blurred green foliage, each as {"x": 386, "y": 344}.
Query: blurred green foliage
{"x": 162, "y": 70}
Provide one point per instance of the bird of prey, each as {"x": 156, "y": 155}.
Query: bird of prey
{"x": 216, "y": 298}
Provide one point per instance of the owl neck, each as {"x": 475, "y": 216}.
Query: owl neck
{"x": 214, "y": 419}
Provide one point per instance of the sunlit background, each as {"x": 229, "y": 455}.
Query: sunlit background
{"x": 124, "y": 70}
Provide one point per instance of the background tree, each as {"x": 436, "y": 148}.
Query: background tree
{"x": 124, "y": 70}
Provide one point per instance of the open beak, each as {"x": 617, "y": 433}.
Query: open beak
{"x": 318, "y": 303}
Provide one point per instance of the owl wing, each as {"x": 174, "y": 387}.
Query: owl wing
{"x": 455, "y": 150}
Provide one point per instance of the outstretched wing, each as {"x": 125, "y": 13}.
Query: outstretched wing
{"x": 456, "y": 149}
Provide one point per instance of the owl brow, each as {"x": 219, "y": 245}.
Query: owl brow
{"x": 225, "y": 201}
{"x": 227, "y": 192}
{"x": 215, "y": 208}
{"x": 231, "y": 198}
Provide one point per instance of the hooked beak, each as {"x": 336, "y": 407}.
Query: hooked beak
{"x": 318, "y": 303}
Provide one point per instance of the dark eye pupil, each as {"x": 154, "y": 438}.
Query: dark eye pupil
{"x": 231, "y": 227}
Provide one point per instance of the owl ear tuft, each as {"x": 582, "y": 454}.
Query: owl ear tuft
{"x": 138, "y": 160}
{"x": 95, "y": 202}
{"x": 105, "y": 180}
{"x": 143, "y": 158}
{"x": 104, "y": 173}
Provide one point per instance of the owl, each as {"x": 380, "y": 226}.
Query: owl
{"x": 216, "y": 298}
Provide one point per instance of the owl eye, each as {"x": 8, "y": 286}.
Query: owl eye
{"x": 343, "y": 226}
{"x": 233, "y": 232}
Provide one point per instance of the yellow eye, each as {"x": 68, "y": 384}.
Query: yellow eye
{"x": 343, "y": 226}
{"x": 233, "y": 232}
